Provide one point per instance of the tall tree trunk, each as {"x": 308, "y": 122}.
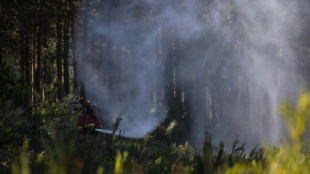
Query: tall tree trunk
{"x": 73, "y": 39}
{"x": 33, "y": 69}
{"x": 85, "y": 43}
{"x": 1, "y": 57}
{"x": 108, "y": 47}
{"x": 22, "y": 55}
{"x": 27, "y": 61}
{"x": 44, "y": 71}
{"x": 161, "y": 91}
{"x": 38, "y": 69}
{"x": 66, "y": 51}
{"x": 59, "y": 49}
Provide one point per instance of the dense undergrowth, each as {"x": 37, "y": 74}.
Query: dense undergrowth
{"x": 62, "y": 153}
{"x": 44, "y": 139}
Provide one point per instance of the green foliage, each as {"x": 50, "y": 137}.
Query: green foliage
{"x": 117, "y": 123}
{"x": 41, "y": 123}
{"x": 12, "y": 90}
{"x": 54, "y": 147}
{"x": 178, "y": 118}
{"x": 21, "y": 165}
{"x": 289, "y": 157}
{"x": 61, "y": 116}
{"x": 237, "y": 152}
{"x": 14, "y": 116}
{"x": 119, "y": 162}
{"x": 208, "y": 156}
{"x": 221, "y": 155}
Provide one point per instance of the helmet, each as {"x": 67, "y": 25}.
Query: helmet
{"x": 90, "y": 104}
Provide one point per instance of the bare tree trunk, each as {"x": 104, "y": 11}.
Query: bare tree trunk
{"x": 73, "y": 39}
{"x": 66, "y": 51}
{"x": 109, "y": 47}
{"x": 27, "y": 61}
{"x": 161, "y": 92}
{"x": 59, "y": 49}
{"x": 33, "y": 69}
{"x": 38, "y": 69}
{"x": 22, "y": 55}
{"x": 44, "y": 71}
{"x": 1, "y": 58}
{"x": 85, "y": 42}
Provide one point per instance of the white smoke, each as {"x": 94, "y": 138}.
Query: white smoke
{"x": 236, "y": 56}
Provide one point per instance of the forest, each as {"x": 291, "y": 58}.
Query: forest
{"x": 200, "y": 86}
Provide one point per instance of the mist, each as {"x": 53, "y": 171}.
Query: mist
{"x": 233, "y": 61}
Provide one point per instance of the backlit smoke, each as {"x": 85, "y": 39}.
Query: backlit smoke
{"x": 233, "y": 59}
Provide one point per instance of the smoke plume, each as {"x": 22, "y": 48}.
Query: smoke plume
{"x": 233, "y": 59}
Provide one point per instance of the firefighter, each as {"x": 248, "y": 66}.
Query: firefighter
{"x": 88, "y": 121}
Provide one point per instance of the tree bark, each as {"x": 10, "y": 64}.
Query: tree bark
{"x": 27, "y": 61}
{"x": 33, "y": 70}
{"x": 44, "y": 71}
{"x": 38, "y": 62}
{"x": 66, "y": 51}
{"x": 22, "y": 55}
{"x": 85, "y": 43}
{"x": 59, "y": 49}
{"x": 73, "y": 39}
{"x": 108, "y": 48}
{"x": 38, "y": 72}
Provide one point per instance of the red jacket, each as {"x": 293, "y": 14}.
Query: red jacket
{"x": 84, "y": 120}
